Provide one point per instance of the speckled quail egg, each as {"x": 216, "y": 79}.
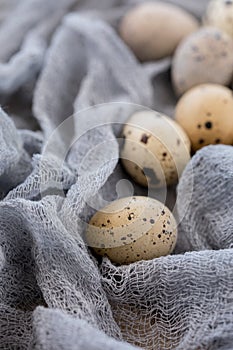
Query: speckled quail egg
{"x": 219, "y": 14}
{"x": 204, "y": 57}
{"x": 153, "y": 30}
{"x": 155, "y": 150}
{"x": 132, "y": 229}
{"x": 206, "y": 114}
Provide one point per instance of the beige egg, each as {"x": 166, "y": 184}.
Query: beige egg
{"x": 204, "y": 57}
{"x": 220, "y": 14}
{"x": 153, "y": 30}
{"x": 132, "y": 229}
{"x": 206, "y": 114}
{"x": 155, "y": 149}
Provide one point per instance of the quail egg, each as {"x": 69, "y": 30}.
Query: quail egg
{"x": 153, "y": 30}
{"x": 155, "y": 150}
{"x": 220, "y": 14}
{"x": 132, "y": 229}
{"x": 203, "y": 57}
{"x": 206, "y": 114}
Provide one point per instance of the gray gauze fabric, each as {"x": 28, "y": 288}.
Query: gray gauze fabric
{"x": 70, "y": 82}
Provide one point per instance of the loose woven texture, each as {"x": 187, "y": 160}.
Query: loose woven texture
{"x": 54, "y": 293}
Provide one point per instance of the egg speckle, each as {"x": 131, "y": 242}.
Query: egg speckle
{"x": 219, "y": 14}
{"x": 153, "y": 30}
{"x": 156, "y": 149}
{"x": 203, "y": 57}
{"x": 206, "y": 114}
{"x": 132, "y": 229}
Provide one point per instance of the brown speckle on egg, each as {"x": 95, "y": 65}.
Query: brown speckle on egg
{"x": 145, "y": 138}
{"x": 208, "y": 125}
